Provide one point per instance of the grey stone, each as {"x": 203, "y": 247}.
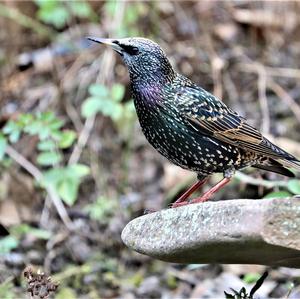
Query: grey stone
{"x": 243, "y": 231}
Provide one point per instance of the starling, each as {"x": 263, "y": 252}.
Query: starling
{"x": 189, "y": 126}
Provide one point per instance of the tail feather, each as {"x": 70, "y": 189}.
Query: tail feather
{"x": 278, "y": 166}
{"x": 290, "y": 163}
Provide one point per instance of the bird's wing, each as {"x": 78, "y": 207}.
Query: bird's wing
{"x": 208, "y": 115}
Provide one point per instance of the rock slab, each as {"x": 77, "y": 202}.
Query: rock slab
{"x": 242, "y": 231}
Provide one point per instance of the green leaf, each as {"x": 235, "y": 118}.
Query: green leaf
{"x": 251, "y": 277}
{"x": 90, "y": 107}
{"x": 48, "y": 158}
{"x": 25, "y": 119}
{"x": 40, "y": 233}
{"x": 101, "y": 209}
{"x": 80, "y": 9}
{"x": 56, "y": 15}
{"x": 278, "y": 194}
{"x": 110, "y": 7}
{"x": 3, "y": 144}
{"x": 19, "y": 230}
{"x": 294, "y": 186}
{"x": 56, "y": 124}
{"x": 7, "y": 244}
{"x": 7, "y": 288}
{"x": 117, "y": 92}
{"x": 49, "y": 4}
{"x": 66, "y": 292}
{"x": 78, "y": 170}
{"x": 68, "y": 190}
{"x": 132, "y": 14}
{"x": 112, "y": 109}
{"x": 13, "y": 130}
{"x": 46, "y": 145}
{"x": 66, "y": 181}
{"x": 35, "y": 127}
{"x": 67, "y": 139}
{"x": 14, "y": 136}
{"x": 99, "y": 90}
{"x": 53, "y": 176}
{"x": 46, "y": 117}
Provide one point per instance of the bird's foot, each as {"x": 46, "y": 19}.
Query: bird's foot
{"x": 179, "y": 204}
{"x": 206, "y": 196}
{"x": 195, "y": 200}
{"x": 182, "y": 200}
{"x": 201, "y": 199}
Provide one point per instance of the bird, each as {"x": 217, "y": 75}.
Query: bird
{"x": 189, "y": 126}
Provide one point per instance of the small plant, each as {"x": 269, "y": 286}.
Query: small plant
{"x": 133, "y": 12}
{"x": 101, "y": 209}
{"x": 242, "y": 293}
{"x": 52, "y": 139}
{"x": 10, "y": 242}
{"x": 7, "y": 289}
{"x": 292, "y": 188}
{"x": 47, "y": 127}
{"x": 7, "y": 244}
{"x": 60, "y": 13}
{"x": 39, "y": 285}
{"x": 66, "y": 180}
{"x": 108, "y": 102}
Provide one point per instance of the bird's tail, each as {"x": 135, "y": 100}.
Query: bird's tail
{"x": 290, "y": 163}
{"x": 278, "y": 166}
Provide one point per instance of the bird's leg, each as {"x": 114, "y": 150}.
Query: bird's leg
{"x": 208, "y": 194}
{"x": 228, "y": 173}
{"x": 188, "y": 192}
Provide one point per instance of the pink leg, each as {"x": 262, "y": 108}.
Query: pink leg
{"x": 188, "y": 192}
{"x": 207, "y": 195}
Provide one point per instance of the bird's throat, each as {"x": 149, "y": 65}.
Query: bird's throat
{"x": 151, "y": 88}
{"x": 148, "y": 92}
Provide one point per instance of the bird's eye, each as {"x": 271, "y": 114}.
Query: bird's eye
{"x": 131, "y": 50}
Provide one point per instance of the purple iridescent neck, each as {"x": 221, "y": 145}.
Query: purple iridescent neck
{"x": 150, "y": 88}
{"x": 148, "y": 92}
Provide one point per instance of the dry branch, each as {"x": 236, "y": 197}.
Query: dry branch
{"x": 37, "y": 174}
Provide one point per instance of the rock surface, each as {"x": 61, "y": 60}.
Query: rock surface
{"x": 265, "y": 232}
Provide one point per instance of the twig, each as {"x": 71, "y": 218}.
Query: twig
{"x": 284, "y": 95}
{"x": 216, "y": 62}
{"x": 107, "y": 63}
{"x": 72, "y": 271}
{"x": 258, "y": 284}
{"x": 38, "y": 175}
{"x": 69, "y": 77}
{"x": 276, "y": 88}
{"x": 270, "y": 71}
{"x": 45, "y": 212}
{"x": 230, "y": 87}
{"x": 82, "y": 140}
{"x": 262, "y": 86}
{"x": 259, "y": 182}
{"x": 26, "y": 21}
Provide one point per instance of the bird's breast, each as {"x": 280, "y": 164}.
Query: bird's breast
{"x": 181, "y": 145}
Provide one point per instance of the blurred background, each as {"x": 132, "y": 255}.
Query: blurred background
{"x": 75, "y": 166}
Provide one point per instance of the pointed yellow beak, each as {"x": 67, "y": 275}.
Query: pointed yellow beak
{"x": 107, "y": 41}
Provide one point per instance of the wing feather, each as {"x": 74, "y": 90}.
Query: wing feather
{"x": 208, "y": 115}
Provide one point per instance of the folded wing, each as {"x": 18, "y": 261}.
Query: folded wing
{"x": 208, "y": 115}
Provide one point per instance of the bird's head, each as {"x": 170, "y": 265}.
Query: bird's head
{"x": 146, "y": 61}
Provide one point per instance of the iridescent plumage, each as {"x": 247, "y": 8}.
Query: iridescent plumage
{"x": 188, "y": 125}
